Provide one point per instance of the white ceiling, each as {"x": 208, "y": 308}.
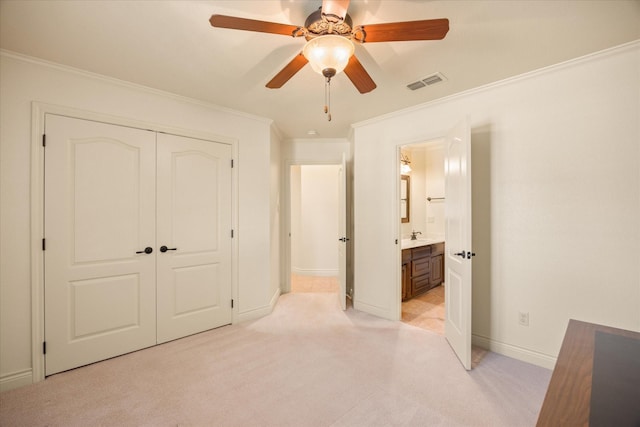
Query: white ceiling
{"x": 170, "y": 45}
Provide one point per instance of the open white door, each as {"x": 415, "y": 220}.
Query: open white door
{"x": 342, "y": 231}
{"x": 458, "y": 237}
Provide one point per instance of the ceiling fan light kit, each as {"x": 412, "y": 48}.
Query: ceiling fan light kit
{"x": 330, "y": 34}
{"x": 328, "y": 55}
{"x": 328, "y": 52}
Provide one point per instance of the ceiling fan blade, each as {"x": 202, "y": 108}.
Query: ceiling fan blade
{"x": 335, "y": 8}
{"x": 359, "y": 76}
{"x": 223, "y": 21}
{"x": 429, "y": 29}
{"x": 288, "y": 71}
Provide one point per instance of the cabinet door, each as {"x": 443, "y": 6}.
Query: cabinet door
{"x": 437, "y": 269}
{"x": 420, "y": 284}
{"x": 407, "y": 291}
{"x": 100, "y": 284}
{"x": 406, "y": 274}
{"x": 420, "y": 267}
{"x": 194, "y": 223}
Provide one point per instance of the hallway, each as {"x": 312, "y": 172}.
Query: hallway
{"x": 305, "y": 284}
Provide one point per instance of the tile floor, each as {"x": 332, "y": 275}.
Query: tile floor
{"x": 426, "y": 311}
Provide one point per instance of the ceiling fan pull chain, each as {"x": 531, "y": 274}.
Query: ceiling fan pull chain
{"x": 327, "y": 98}
{"x": 326, "y": 106}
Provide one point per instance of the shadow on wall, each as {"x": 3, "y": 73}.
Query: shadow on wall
{"x": 481, "y": 229}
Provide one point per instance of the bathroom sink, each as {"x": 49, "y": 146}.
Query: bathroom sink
{"x": 408, "y": 243}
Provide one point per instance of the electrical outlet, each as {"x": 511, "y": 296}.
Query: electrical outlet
{"x": 523, "y": 318}
{"x": 431, "y": 219}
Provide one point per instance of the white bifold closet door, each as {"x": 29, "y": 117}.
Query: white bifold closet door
{"x": 114, "y": 196}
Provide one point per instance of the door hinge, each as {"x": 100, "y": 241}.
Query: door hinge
{"x": 232, "y": 234}
{"x": 44, "y": 140}
{"x": 231, "y": 303}
{"x": 231, "y": 162}
{"x": 44, "y": 244}
{"x": 44, "y": 347}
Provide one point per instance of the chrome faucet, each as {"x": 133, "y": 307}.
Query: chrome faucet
{"x": 414, "y": 235}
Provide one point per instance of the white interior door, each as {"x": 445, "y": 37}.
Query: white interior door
{"x": 342, "y": 232}
{"x": 458, "y": 238}
{"x": 194, "y": 225}
{"x": 100, "y": 216}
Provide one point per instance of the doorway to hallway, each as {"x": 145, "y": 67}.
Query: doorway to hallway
{"x": 314, "y": 228}
{"x": 314, "y": 284}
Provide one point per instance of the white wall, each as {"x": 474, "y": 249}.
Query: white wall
{"x": 314, "y": 211}
{"x": 556, "y": 200}
{"x": 295, "y": 204}
{"x": 275, "y": 217}
{"x": 417, "y": 192}
{"x": 427, "y": 180}
{"x": 434, "y": 164}
{"x": 23, "y": 81}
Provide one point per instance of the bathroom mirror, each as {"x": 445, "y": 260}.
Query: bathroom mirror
{"x": 404, "y": 198}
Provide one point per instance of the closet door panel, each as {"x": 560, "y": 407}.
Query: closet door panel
{"x": 194, "y": 224}
{"x": 99, "y": 211}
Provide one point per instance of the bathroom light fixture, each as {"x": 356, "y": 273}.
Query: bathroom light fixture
{"x": 328, "y": 55}
{"x": 404, "y": 167}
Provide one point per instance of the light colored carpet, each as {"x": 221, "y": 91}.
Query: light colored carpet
{"x": 306, "y": 364}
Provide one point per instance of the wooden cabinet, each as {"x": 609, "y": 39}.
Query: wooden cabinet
{"x": 422, "y": 269}
{"x": 406, "y": 273}
{"x": 437, "y": 264}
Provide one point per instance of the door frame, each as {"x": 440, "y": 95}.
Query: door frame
{"x": 425, "y": 141}
{"x": 37, "y": 188}
{"x": 286, "y": 230}
{"x": 396, "y": 212}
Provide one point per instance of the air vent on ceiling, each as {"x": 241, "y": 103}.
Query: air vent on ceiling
{"x": 427, "y": 81}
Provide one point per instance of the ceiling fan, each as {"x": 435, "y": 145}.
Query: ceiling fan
{"x": 331, "y": 28}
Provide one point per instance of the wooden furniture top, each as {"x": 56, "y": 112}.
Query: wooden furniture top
{"x": 568, "y": 398}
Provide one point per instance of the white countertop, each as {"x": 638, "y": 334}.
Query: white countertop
{"x": 408, "y": 243}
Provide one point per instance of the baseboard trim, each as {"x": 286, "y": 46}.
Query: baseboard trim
{"x": 314, "y": 272}
{"x": 515, "y": 352}
{"x": 372, "y": 309}
{"x": 15, "y": 380}
{"x": 259, "y": 312}
{"x": 274, "y": 299}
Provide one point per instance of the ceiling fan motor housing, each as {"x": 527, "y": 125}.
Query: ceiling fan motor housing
{"x": 318, "y": 25}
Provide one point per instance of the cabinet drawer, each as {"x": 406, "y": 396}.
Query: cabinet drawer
{"x": 421, "y": 252}
{"x": 420, "y": 284}
{"x": 420, "y": 267}
{"x": 437, "y": 248}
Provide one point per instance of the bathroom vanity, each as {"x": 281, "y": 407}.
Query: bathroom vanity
{"x": 422, "y": 266}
